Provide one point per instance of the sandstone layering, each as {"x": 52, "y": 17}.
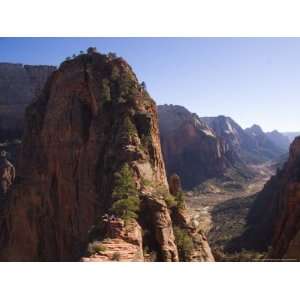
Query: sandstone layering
{"x": 91, "y": 119}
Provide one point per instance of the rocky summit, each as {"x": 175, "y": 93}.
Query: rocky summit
{"x": 19, "y": 85}
{"x": 92, "y": 183}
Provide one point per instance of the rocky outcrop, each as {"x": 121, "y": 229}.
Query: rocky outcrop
{"x": 276, "y": 211}
{"x": 122, "y": 242}
{"x": 190, "y": 147}
{"x": 200, "y": 250}
{"x": 187, "y": 230}
{"x": 174, "y": 184}
{"x": 91, "y": 119}
{"x": 19, "y": 85}
{"x": 285, "y": 242}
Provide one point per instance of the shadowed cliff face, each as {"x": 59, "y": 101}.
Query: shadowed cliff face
{"x": 286, "y": 243}
{"x": 189, "y": 146}
{"x": 90, "y": 119}
{"x": 276, "y": 211}
{"x": 194, "y": 150}
{"x": 19, "y": 85}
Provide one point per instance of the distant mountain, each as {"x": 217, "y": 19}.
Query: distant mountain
{"x": 291, "y": 135}
{"x": 279, "y": 139}
{"x": 19, "y": 84}
{"x": 233, "y": 135}
{"x": 264, "y": 147}
{"x": 192, "y": 149}
{"x": 251, "y": 145}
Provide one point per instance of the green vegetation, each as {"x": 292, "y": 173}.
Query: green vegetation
{"x": 91, "y": 50}
{"x": 105, "y": 91}
{"x": 115, "y": 73}
{"x": 179, "y": 199}
{"x": 184, "y": 243}
{"x": 97, "y": 231}
{"x": 112, "y": 55}
{"x": 163, "y": 192}
{"x": 170, "y": 200}
{"x": 127, "y": 202}
{"x": 95, "y": 248}
{"x": 242, "y": 256}
{"x": 230, "y": 224}
{"x": 130, "y": 127}
{"x": 126, "y": 86}
{"x": 146, "y": 140}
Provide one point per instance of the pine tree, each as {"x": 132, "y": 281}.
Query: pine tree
{"x": 105, "y": 91}
{"x": 127, "y": 202}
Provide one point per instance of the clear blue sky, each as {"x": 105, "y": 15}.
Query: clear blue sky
{"x": 253, "y": 80}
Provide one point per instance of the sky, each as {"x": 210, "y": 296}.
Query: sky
{"x": 252, "y": 80}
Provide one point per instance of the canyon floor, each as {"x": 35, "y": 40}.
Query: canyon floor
{"x": 221, "y": 211}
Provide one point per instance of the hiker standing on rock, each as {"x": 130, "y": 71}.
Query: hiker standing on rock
{"x": 7, "y": 174}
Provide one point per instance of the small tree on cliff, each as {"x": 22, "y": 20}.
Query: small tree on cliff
{"x": 143, "y": 85}
{"x": 105, "y": 91}
{"x": 91, "y": 50}
{"x": 112, "y": 55}
{"x": 127, "y": 202}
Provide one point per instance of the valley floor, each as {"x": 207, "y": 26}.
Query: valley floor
{"x": 221, "y": 213}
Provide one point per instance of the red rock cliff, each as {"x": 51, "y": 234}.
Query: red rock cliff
{"x": 91, "y": 118}
{"x": 286, "y": 236}
{"x": 190, "y": 147}
{"x": 275, "y": 215}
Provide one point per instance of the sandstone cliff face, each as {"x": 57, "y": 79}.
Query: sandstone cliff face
{"x": 285, "y": 242}
{"x": 19, "y": 85}
{"x": 91, "y": 118}
{"x": 276, "y": 210}
{"x": 190, "y": 147}
{"x": 122, "y": 242}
